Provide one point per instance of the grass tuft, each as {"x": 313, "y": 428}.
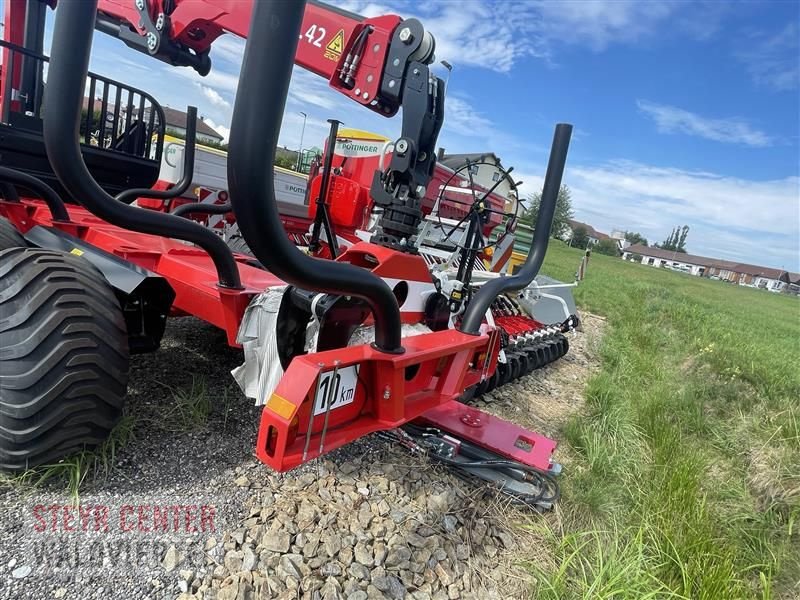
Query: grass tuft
{"x": 687, "y": 478}
{"x": 74, "y": 471}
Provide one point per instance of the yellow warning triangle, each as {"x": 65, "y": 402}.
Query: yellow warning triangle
{"x": 337, "y": 43}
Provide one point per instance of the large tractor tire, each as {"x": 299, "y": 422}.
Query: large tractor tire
{"x": 9, "y": 236}
{"x": 63, "y": 357}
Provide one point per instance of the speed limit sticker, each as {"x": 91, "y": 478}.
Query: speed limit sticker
{"x": 341, "y": 389}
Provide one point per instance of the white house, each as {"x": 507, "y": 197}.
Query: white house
{"x": 486, "y": 171}
{"x": 668, "y": 259}
{"x": 767, "y": 278}
{"x": 176, "y": 121}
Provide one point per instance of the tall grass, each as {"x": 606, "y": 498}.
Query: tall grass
{"x": 687, "y": 482}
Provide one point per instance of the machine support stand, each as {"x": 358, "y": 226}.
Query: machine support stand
{"x": 322, "y": 216}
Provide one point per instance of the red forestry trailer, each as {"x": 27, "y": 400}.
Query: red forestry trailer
{"x": 87, "y": 278}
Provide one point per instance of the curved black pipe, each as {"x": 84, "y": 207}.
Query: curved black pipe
{"x": 54, "y": 202}
{"x": 72, "y": 44}
{"x": 199, "y": 207}
{"x": 482, "y": 300}
{"x": 260, "y": 101}
{"x": 8, "y": 192}
{"x": 128, "y": 196}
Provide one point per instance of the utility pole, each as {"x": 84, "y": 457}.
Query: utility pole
{"x": 302, "y": 133}
{"x": 449, "y": 68}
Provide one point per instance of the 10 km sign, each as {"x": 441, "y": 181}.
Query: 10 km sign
{"x": 340, "y": 390}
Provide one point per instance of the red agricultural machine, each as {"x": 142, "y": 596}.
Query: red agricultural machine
{"x": 341, "y": 340}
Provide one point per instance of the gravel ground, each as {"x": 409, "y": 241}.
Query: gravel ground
{"x": 185, "y": 511}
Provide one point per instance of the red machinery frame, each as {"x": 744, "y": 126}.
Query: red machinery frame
{"x": 425, "y": 380}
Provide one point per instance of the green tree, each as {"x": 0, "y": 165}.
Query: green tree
{"x": 580, "y": 237}
{"x": 285, "y": 161}
{"x": 211, "y": 144}
{"x": 608, "y": 247}
{"x": 677, "y": 239}
{"x": 635, "y": 238}
{"x": 562, "y": 215}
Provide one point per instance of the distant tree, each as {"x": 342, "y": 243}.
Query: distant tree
{"x": 580, "y": 237}
{"x": 562, "y": 215}
{"x": 677, "y": 239}
{"x": 287, "y": 162}
{"x": 682, "y": 239}
{"x": 635, "y": 238}
{"x": 608, "y": 247}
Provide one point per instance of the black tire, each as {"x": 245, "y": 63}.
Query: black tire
{"x": 63, "y": 357}
{"x": 9, "y": 236}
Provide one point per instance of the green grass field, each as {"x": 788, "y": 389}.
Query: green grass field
{"x": 687, "y": 481}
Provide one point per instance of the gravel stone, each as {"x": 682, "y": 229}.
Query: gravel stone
{"x": 171, "y": 559}
{"x": 21, "y": 572}
{"x": 276, "y": 541}
{"x": 367, "y": 521}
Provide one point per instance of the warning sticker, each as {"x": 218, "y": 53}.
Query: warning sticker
{"x": 334, "y": 48}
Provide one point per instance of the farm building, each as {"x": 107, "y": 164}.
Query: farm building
{"x": 176, "y": 121}
{"x": 486, "y": 169}
{"x": 592, "y": 233}
{"x": 669, "y": 259}
{"x": 774, "y": 280}
{"x": 794, "y": 284}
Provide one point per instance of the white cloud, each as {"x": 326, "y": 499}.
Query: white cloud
{"x": 229, "y": 48}
{"x": 476, "y": 34}
{"x": 730, "y": 217}
{"x": 772, "y": 60}
{"x": 671, "y": 119}
{"x": 214, "y": 97}
{"x": 599, "y": 23}
{"x": 224, "y": 131}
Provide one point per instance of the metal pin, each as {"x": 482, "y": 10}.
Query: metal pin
{"x": 331, "y": 400}
{"x": 311, "y": 417}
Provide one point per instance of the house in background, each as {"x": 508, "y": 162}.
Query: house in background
{"x": 774, "y": 280}
{"x": 176, "y": 121}
{"x": 485, "y": 175}
{"x": 669, "y": 259}
{"x": 619, "y": 236}
{"x": 592, "y": 233}
{"x": 794, "y": 284}
{"x": 767, "y": 278}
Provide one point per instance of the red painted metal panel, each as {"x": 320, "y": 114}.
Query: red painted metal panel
{"x": 493, "y": 433}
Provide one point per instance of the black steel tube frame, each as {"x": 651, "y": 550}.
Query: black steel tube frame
{"x": 200, "y": 207}
{"x": 480, "y": 303}
{"x": 322, "y": 216}
{"x": 185, "y": 181}
{"x": 71, "y": 47}
{"x": 54, "y": 202}
{"x": 260, "y": 102}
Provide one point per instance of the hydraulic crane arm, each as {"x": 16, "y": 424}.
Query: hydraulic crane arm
{"x": 357, "y": 55}
{"x": 381, "y": 63}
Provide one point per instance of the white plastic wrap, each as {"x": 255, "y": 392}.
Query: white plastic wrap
{"x": 261, "y": 371}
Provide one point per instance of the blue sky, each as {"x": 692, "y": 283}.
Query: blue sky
{"x": 685, "y": 113}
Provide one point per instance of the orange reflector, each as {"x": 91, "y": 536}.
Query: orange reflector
{"x": 280, "y": 406}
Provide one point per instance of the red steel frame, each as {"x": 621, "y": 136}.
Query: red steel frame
{"x": 425, "y": 380}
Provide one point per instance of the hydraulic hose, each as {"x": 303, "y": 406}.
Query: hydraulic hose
{"x": 71, "y": 47}
{"x": 260, "y": 101}
{"x": 54, "y": 202}
{"x": 200, "y": 207}
{"x": 480, "y": 303}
